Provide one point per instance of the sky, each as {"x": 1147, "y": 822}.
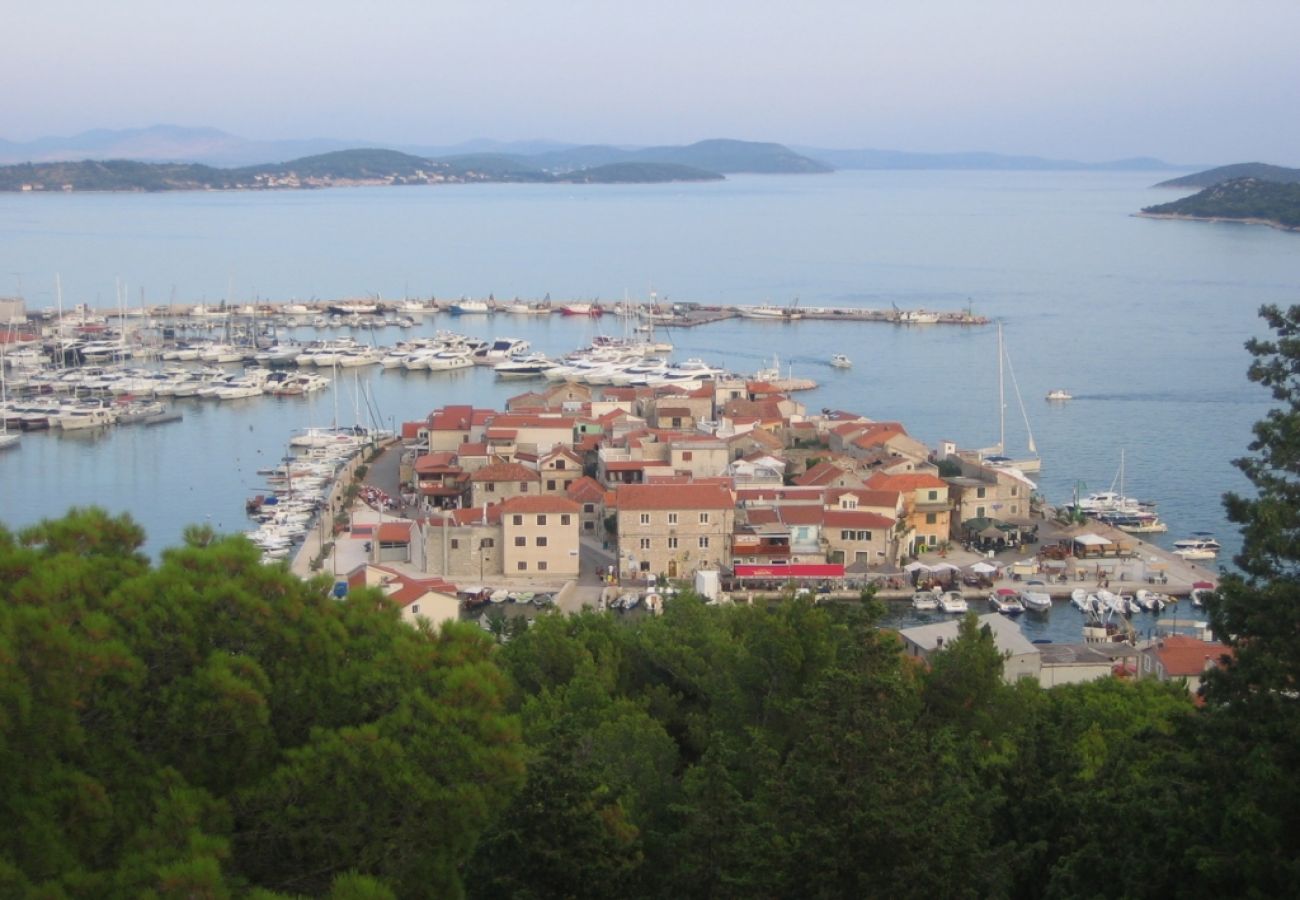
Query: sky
{"x": 1190, "y": 81}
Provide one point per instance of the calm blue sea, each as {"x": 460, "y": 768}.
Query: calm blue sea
{"x": 1143, "y": 321}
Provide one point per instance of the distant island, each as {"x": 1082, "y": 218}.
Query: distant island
{"x": 703, "y": 161}
{"x": 1247, "y": 200}
{"x": 1211, "y": 177}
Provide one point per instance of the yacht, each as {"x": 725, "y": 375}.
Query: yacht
{"x": 840, "y": 361}
{"x": 500, "y": 350}
{"x": 925, "y": 601}
{"x": 1197, "y": 548}
{"x": 531, "y": 366}
{"x": 1005, "y": 601}
{"x": 1035, "y": 597}
{"x": 953, "y": 602}
{"x": 1198, "y": 539}
{"x": 446, "y": 360}
{"x": 1059, "y": 394}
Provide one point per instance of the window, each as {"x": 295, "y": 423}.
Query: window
{"x": 645, "y": 543}
{"x": 415, "y": 609}
{"x": 541, "y": 542}
{"x": 1014, "y": 489}
{"x": 550, "y": 484}
{"x": 704, "y": 518}
{"x": 672, "y": 543}
{"x": 521, "y": 541}
{"x": 979, "y": 512}
{"x": 672, "y": 518}
{"x": 846, "y": 535}
{"x": 589, "y": 508}
{"x": 565, "y": 519}
{"x": 934, "y": 495}
{"x": 487, "y": 543}
{"x": 687, "y": 455}
{"x": 645, "y": 518}
{"x": 645, "y": 565}
{"x": 931, "y": 518}
{"x": 704, "y": 543}
{"x": 522, "y": 566}
{"x": 455, "y": 543}
{"x": 517, "y": 520}
{"x": 541, "y": 520}
{"x": 559, "y": 464}
{"x": 490, "y": 487}
{"x": 541, "y": 566}
{"x": 588, "y": 526}
{"x": 979, "y": 492}
{"x": 523, "y": 487}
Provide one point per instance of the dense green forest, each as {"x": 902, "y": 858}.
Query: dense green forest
{"x": 1243, "y": 199}
{"x": 1211, "y": 177}
{"x": 210, "y": 727}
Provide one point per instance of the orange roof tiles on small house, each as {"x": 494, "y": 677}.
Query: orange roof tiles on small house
{"x": 394, "y": 533}
{"x": 1182, "y": 655}
{"x": 821, "y": 474}
{"x": 504, "y": 472}
{"x": 585, "y": 490}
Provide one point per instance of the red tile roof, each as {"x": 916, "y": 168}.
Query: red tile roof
{"x": 674, "y": 496}
{"x": 443, "y": 461}
{"x": 905, "y": 481}
{"x": 821, "y": 474}
{"x": 546, "y": 503}
{"x": 1183, "y": 655}
{"x": 855, "y": 518}
{"x": 585, "y": 490}
{"x": 458, "y": 418}
{"x": 394, "y": 532}
{"x": 504, "y": 472}
{"x": 475, "y": 448}
{"x": 411, "y": 430}
{"x": 866, "y": 497}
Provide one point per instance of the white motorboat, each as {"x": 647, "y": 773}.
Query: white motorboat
{"x": 446, "y": 360}
{"x": 1005, "y": 601}
{"x": 840, "y": 361}
{"x": 531, "y": 366}
{"x": 1035, "y": 597}
{"x": 953, "y": 602}
{"x": 76, "y": 418}
{"x": 925, "y": 601}
{"x": 1059, "y": 394}
{"x": 1151, "y": 601}
{"x": 500, "y": 350}
{"x": 1199, "y": 539}
{"x": 1194, "y": 549}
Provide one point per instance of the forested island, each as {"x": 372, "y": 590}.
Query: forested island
{"x": 1211, "y": 177}
{"x": 209, "y": 726}
{"x": 1249, "y": 200}
{"x": 705, "y": 161}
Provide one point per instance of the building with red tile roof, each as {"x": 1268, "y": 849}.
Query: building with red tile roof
{"x": 674, "y": 529}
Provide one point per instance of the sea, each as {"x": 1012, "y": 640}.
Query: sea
{"x": 1143, "y": 321}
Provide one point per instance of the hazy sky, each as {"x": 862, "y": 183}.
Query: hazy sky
{"x": 1195, "y": 81}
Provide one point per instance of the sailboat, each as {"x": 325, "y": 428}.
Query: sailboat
{"x": 997, "y": 454}
{"x": 1115, "y": 508}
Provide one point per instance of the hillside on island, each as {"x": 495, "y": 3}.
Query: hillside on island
{"x": 704, "y": 161}
{"x": 1240, "y": 200}
{"x": 1211, "y": 177}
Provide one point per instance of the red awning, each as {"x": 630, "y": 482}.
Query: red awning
{"x": 796, "y": 570}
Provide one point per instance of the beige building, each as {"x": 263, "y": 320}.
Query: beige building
{"x": 674, "y": 529}
{"x": 501, "y": 481}
{"x": 540, "y": 536}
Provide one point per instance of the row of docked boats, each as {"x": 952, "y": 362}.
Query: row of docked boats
{"x": 1103, "y": 602}
{"x": 70, "y": 414}
{"x": 299, "y": 487}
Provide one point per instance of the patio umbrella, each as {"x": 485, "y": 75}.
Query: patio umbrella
{"x": 917, "y": 567}
{"x": 944, "y": 567}
{"x": 983, "y": 568}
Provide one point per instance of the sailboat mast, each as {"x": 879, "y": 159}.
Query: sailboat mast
{"x": 1002, "y": 400}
